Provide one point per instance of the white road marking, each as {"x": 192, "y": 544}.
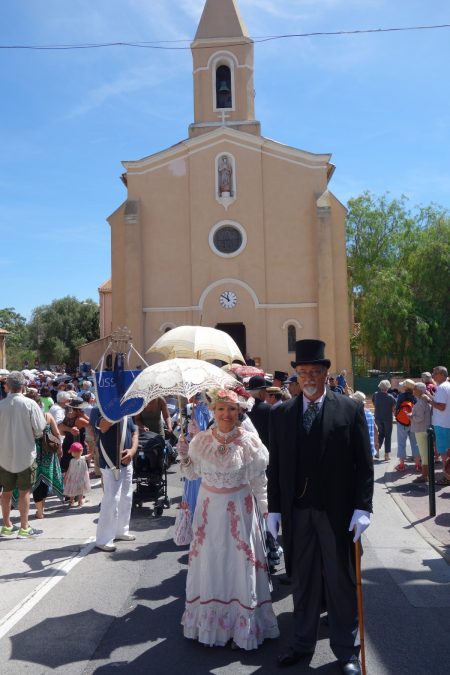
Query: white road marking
{"x": 32, "y": 599}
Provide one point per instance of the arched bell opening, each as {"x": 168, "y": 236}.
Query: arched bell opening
{"x": 224, "y": 94}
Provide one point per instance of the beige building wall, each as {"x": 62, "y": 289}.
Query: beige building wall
{"x": 105, "y": 308}
{"x": 292, "y": 269}
{"x": 93, "y": 351}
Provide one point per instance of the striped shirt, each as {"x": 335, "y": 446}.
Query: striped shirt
{"x": 371, "y": 426}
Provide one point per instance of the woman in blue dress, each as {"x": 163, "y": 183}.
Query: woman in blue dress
{"x": 200, "y": 420}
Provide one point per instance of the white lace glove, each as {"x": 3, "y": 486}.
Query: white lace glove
{"x": 273, "y": 523}
{"x": 182, "y": 447}
{"x": 360, "y": 521}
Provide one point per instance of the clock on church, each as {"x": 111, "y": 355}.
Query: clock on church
{"x": 228, "y": 299}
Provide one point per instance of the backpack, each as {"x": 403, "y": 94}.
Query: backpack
{"x": 401, "y": 416}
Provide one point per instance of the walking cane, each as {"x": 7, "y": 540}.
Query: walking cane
{"x": 360, "y": 604}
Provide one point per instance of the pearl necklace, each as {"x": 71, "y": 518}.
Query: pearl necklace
{"x": 225, "y": 440}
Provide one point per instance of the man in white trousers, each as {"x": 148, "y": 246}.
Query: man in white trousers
{"x": 117, "y": 441}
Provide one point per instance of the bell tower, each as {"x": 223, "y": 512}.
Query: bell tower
{"x": 223, "y": 71}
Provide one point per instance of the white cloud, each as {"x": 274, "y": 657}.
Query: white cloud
{"x": 192, "y": 8}
{"x": 288, "y": 9}
{"x": 303, "y": 9}
{"x": 163, "y": 18}
{"x": 420, "y": 179}
{"x": 127, "y": 82}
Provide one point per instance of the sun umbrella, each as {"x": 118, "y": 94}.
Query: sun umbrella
{"x": 177, "y": 377}
{"x": 245, "y": 371}
{"x": 197, "y": 342}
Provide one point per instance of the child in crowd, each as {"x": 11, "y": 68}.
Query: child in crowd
{"x": 371, "y": 425}
{"x": 76, "y": 479}
{"x": 46, "y": 399}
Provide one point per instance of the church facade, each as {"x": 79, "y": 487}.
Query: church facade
{"x": 230, "y": 229}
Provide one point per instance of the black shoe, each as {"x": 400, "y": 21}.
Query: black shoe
{"x": 352, "y": 667}
{"x": 292, "y": 657}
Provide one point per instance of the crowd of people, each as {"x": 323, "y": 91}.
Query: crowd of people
{"x": 35, "y": 407}
{"x": 289, "y": 453}
{"x": 416, "y": 406}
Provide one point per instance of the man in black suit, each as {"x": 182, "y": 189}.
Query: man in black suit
{"x": 279, "y": 378}
{"x": 321, "y": 484}
{"x": 260, "y": 412}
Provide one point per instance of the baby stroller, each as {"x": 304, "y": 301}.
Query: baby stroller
{"x": 150, "y": 472}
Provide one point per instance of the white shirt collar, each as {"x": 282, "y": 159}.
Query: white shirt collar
{"x": 318, "y": 401}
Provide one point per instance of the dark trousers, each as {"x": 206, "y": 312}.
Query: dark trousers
{"x": 315, "y": 558}
{"x": 384, "y": 434}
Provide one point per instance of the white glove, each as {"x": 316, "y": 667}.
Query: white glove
{"x": 360, "y": 521}
{"x": 273, "y": 523}
{"x": 182, "y": 447}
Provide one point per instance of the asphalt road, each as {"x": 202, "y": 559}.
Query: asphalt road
{"x": 66, "y": 608}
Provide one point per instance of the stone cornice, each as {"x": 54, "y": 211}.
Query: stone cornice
{"x": 268, "y": 146}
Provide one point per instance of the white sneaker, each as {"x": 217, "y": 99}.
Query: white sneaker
{"x": 125, "y": 537}
{"x": 109, "y": 548}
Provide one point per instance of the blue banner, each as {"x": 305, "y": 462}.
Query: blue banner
{"x": 110, "y": 386}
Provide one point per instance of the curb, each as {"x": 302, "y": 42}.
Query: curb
{"x": 411, "y": 517}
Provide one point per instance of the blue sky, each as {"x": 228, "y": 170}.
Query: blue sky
{"x": 380, "y": 103}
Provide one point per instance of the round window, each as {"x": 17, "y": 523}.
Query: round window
{"x": 227, "y": 239}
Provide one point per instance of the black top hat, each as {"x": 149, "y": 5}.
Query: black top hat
{"x": 280, "y": 375}
{"x": 310, "y": 351}
{"x": 257, "y": 382}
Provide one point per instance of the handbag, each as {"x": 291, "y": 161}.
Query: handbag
{"x": 182, "y": 531}
{"x": 50, "y": 442}
{"x": 403, "y": 414}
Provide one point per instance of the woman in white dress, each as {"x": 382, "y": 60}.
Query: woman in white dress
{"x": 228, "y": 587}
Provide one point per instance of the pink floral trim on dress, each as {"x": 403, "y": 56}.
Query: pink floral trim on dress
{"x": 242, "y": 545}
{"x": 228, "y": 602}
{"x": 200, "y": 534}
{"x": 249, "y": 503}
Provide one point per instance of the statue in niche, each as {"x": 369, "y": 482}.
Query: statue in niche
{"x": 225, "y": 177}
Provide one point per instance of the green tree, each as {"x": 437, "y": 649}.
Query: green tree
{"x": 376, "y": 230}
{"x": 391, "y": 328}
{"x": 428, "y": 260}
{"x": 59, "y": 329}
{"x": 17, "y": 342}
{"x": 399, "y": 264}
